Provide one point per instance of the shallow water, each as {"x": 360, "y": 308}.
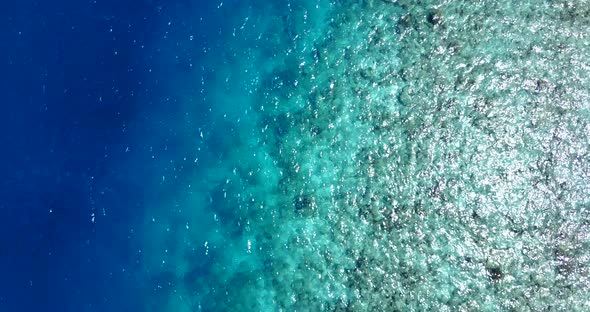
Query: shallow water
{"x": 387, "y": 156}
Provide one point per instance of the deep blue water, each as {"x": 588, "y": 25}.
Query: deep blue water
{"x": 87, "y": 120}
{"x": 73, "y": 80}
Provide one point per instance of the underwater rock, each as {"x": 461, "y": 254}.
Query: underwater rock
{"x": 563, "y": 259}
{"x": 405, "y": 23}
{"x": 315, "y": 130}
{"x": 303, "y": 204}
{"x": 494, "y": 272}
{"x": 434, "y": 17}
{"x": 405, "y": 97}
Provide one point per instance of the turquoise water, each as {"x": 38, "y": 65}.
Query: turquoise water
{"x": 372, "y": 156}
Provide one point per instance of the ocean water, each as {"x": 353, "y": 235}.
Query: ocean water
{"x": 295, "y": 155}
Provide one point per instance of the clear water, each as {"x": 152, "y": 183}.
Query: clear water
{"x": 385, "y": 155}
{"x": 305, "y": 155}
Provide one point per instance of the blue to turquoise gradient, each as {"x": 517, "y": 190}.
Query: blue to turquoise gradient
{"x": 295, "y": 155}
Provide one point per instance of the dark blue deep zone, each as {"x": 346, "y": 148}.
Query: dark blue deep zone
{"x": 74, "y": 93}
